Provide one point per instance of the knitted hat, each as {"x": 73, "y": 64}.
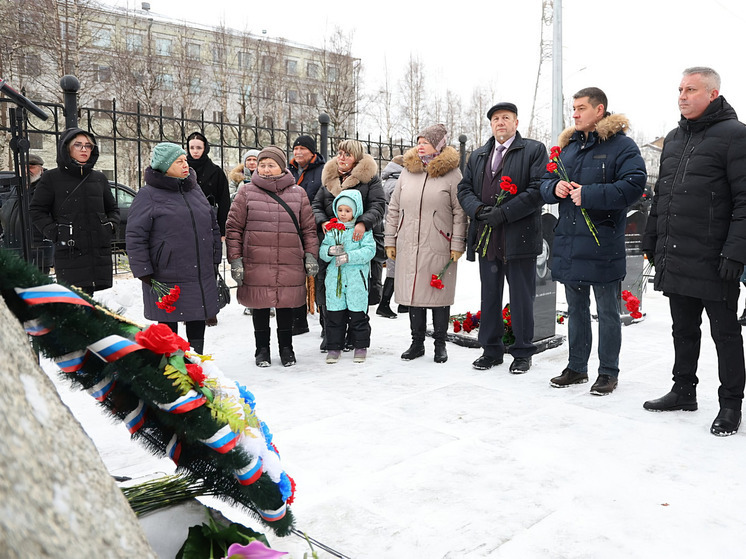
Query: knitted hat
{"x": 344, "y": 200}
{"x": 164, "y": 156}
{"x": 273, "y": 152}
{"x": 307, "y": 142}
{"x": 250, "y": 153}
{"x": 502, "y": 107}
{"x": 34, "y": 159}
{"x": 436, "y": 135}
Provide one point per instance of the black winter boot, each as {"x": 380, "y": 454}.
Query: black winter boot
{"x": 440, "y": 329}
{"x": 300, "y": 320}
{"x": 261, "y": 355}
{"x": 285, "y": 340}
{"x": 198, "y": 345}
{"x": 417, "y": 322}
{"x": 322, "y": 323}
{"x": 384, "y": 308}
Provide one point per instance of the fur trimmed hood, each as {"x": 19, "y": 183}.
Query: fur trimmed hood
{"x": 236, "y": 174}
{"x": 606, "y": 128}
{"x": 362, "y": 173}
{"x": 446, "y": 162}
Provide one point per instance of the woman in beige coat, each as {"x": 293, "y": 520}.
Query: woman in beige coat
{"x": 425, "y": 230}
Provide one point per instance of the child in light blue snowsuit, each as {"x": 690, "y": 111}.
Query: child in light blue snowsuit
{"x": 346, "y": 279}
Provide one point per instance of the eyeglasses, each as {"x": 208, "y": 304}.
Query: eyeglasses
{"x": 80, "y": 146}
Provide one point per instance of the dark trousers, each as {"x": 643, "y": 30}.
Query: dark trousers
{"x": 339, "y": 322}
{"x": 284, "y": 319}
{"x": 195, "y": 329}
{"x": 521, "y": 276}
{"x": 686, "y": 313}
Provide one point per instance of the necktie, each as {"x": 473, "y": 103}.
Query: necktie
{"x": 498, "y": 159}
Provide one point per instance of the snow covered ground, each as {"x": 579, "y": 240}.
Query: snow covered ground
{"x": 402, "y": 459}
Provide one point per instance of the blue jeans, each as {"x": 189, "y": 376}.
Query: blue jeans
{"x": 609, "y": 326}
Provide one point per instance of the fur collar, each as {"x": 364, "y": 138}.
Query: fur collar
{"x": 362, "y": 173}
{"x": 446, "y": 162}
{"x": 606, "y": 128}
{"x": 236, "y": 174}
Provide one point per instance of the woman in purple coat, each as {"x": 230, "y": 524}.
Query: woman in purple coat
{"x": 173, "y": 238}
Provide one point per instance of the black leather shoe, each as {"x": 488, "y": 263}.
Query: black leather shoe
{"x": 417, "y": 349}
{"x": 385, "y": 311}
{"x": 520, "y": 365}
{"x": 726, "y": 423}
{"x": 604, "y": 385}
{"x": 486, "y": 362}
{"x": 672, "y": 402}
{"x": 441, "y": 355}
{"x": 567, "y": 378}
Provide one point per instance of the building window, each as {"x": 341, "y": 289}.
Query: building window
{"x": 103, "y": 104}
{"x": 167, "y": 111}
{"x": 217, "y": 116}
{"x": 218, "y": 54}
{"x": 291, "y": 67}
{"x": 166, "y": 81}
{"x": 194, "y": 51}
{"x": 163, "y": 47}
{"x": 333, "y": 74}
{"x": 195, "y": 114}
{"x": 103, "y": 73}
{"x": 312, "y": 70}
{"x": 134, "y": 42}
{"x": 313, "y": 98}
{"x": 31, "y": 65}
{"x": 102, "y": 38}
{"x": 267, "y": 63}
{"x": 36, "y": 140}
{"x": 244, "y": 59}
{"x": 292, "y": 96}
{"x": 195, "y": 86}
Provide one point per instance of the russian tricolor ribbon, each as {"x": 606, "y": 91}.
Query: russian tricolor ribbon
{"x": 71, "y": 362}
{"x": 173, "y": 449}
{"x": 36, "y": 327}
{"x": 51, "y": 293}
{"x": 136, "y": 418}
{"x": 223, "y": 441}
{"x": 113, "y": 347}
{"x": 273, "y": 515}
{"x": 102, "y": 389}
{"x": 188, "y": 402}
{"x": 250, "y": 473}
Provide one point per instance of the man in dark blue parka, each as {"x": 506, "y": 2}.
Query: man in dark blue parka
{"x": 696, "y": 238}
{"x": 606, "y": 175}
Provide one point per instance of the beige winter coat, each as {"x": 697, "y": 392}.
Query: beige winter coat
{"x": 425, "y": 223}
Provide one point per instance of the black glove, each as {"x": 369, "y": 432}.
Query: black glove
{"x": 650, "y": 256}
{"x": 483, "y": 212}
{"x": 730, "y": 269}
{"x": 495, "y": 218}
{"x": 147, "y": 280}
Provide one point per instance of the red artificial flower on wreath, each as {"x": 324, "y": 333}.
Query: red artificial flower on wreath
{"x": 632, "y": 304}
{"x": 159, "y": 338}
{"x": 292, "y": 491}
{"x": 195, "y": 372}
{"x": 456, "y": 326}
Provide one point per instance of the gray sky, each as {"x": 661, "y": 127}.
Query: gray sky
{"x": 634, "y": 50}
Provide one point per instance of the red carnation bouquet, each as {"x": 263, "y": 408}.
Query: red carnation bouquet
{"x": 632, "y": 304}
{"x": 555, "y": 165}
{"x": 507, "y": 187}
{"x": 336, "y": 228}
{"x": 167, "y": 296}
{"x": 437, "y": 279}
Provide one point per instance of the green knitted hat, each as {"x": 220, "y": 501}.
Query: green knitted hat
{"x": 164, "y": 156}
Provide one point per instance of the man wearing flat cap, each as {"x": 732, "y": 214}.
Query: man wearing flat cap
{"x": 505, "y": 231}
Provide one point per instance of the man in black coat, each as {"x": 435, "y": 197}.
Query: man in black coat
{"x": 507, "y": 235}
{"x": 696, "y": 239}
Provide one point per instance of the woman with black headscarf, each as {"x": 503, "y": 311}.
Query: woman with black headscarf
{"x": 211, "y": 178}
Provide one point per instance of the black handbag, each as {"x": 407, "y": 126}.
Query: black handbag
{"x": 224, "y": 292}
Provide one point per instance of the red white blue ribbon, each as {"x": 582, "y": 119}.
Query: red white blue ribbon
{"x": 102, "y": 389}
{"x": 51, "y": 293}
{"x": 251, "y": 473}
{"x": 188, "y": 402}
{"x": 71, "y": 362}
{"x": 36, "y": 327}
{"x": 223, "y": 441}
{"x": 173, "y": 449}
{"x": 273, "y": 515}
{"x": 136, "y": 418}
{"x": 113, "y": 347}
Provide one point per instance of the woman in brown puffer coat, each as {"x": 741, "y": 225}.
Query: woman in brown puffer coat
{"x": 425, "y": 229}
{"x": 270, "y": 251}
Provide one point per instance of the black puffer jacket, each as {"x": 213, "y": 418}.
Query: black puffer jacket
{"x": 525, "y": 163}
{"x": 699, "y": 207}
{"x": 73, "y": 206}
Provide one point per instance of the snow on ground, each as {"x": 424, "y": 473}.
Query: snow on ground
{"x": 414, "y": 459}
